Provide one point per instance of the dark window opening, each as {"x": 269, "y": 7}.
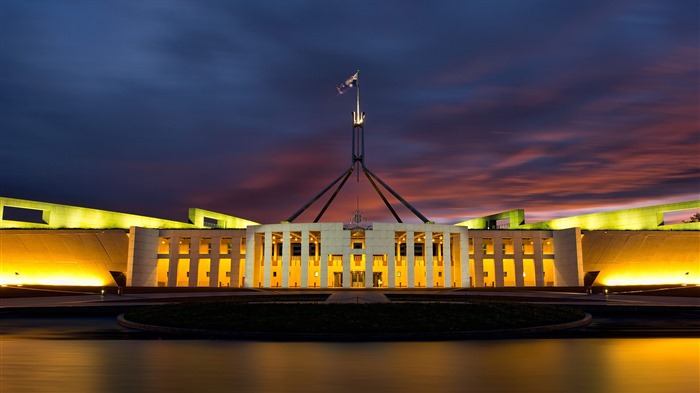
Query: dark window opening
{"x": 402, "y": 249}
{"x": 11, "y": 213}
{"x": 418, "y": 249}
{"x": 211, "y": 222}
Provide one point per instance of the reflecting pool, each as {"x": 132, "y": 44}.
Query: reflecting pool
{"x": 31, "y": 363}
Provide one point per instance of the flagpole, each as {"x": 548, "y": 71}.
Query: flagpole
{"x": 358, "y": 162}
{"x": 358, "y": 93}
{"x": 358, "y": 128}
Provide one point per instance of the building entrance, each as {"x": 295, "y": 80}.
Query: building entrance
{"x": 358, "y": 279}
{"x": 338, "y": 279}
{"x": 377, "y": 279}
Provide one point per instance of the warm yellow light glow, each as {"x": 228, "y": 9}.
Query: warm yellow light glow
{"x": 647, "y": 280}
{"x": 649, "y": 274}
{"x": 58, "y": 279}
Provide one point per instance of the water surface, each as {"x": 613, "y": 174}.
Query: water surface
{"x": 51, "y": 356}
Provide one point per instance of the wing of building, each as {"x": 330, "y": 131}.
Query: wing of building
{"x": 52, "y": 244}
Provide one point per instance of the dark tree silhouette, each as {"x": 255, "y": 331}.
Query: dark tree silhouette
{"x": 694, "y": 218}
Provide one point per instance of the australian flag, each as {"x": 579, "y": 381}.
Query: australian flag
{"x": 350, "y": 82}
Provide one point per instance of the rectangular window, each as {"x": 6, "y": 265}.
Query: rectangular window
{"x": 21, "y": 214}
{"x": 296, "y": 249}
{"x": 437, "y": 249}
{"x": 211, "y": 222}
{"x": 205, "y": 246}
{"x": 507, "y": 246}
{"x": 164, "y": 245}
{"x": 509, "y": 272}
{"x": 418, "y": 249}
{"x": 487, "y": 245}
{"x": 184, "y": 245}
{"x": 528, "y": 246}
{"x": 225, "y": 246}
{"x": 357, "y": 245}
{"x": 471, "y": 246}
{"x": 547, "y": 245}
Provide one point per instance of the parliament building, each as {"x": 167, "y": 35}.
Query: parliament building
{"x": 50, "y": 244}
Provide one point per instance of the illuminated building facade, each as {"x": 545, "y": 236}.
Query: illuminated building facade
{"x": 334, "y": 255}
{"x": 51, "y": 244}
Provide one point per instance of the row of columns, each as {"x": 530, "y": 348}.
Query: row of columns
{"x": 255, "y": 250}
{"x": 517, "y": 256}
{"x": 194, "y": 256}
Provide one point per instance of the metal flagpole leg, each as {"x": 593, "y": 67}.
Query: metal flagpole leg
{"x": 395, "y": 194}
{"x": 386, "y": 202}
{"x": 347, "y": 175}
{"x": 319, "y": 195}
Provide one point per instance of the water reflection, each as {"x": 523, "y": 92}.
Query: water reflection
{"x": 573, "y": 365}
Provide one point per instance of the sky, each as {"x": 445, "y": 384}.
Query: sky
{"x": 152, "y": 107}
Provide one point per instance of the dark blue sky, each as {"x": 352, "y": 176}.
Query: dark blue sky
{"x": 473, "y": 107}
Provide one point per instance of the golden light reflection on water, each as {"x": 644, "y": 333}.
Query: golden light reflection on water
{"x": 574, "y": 365}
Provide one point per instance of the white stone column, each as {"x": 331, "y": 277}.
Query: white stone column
{"x": 214, "y": 261}
{"x": 539, "y": 263}
{"x": 267, "y": 260}
{"x": 174, "y": 259}
{"x": 194, "y": 262}
{"x": 369, "y": 270}
{"x": 304, "y": 258}
{"x": 235, "y": 280}
{"x": 324, "y": 260}
{"x": 478, "y": 273}
{"x": 428, "y": 257}
{"x": 250, "y": 239}
{"x": 498, "y": 259}
{"x": 410, "y": 259}
{"x": 447, "y": 258}
{"x": 463, "y": 260}
{"x": 390, "y": 237}
{"x": 346, "y": 265}
{"x": 518, "y": 256}
{"x": 286, "y": 255}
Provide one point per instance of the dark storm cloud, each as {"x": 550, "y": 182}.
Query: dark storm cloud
{"x": 152, "y": 107}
